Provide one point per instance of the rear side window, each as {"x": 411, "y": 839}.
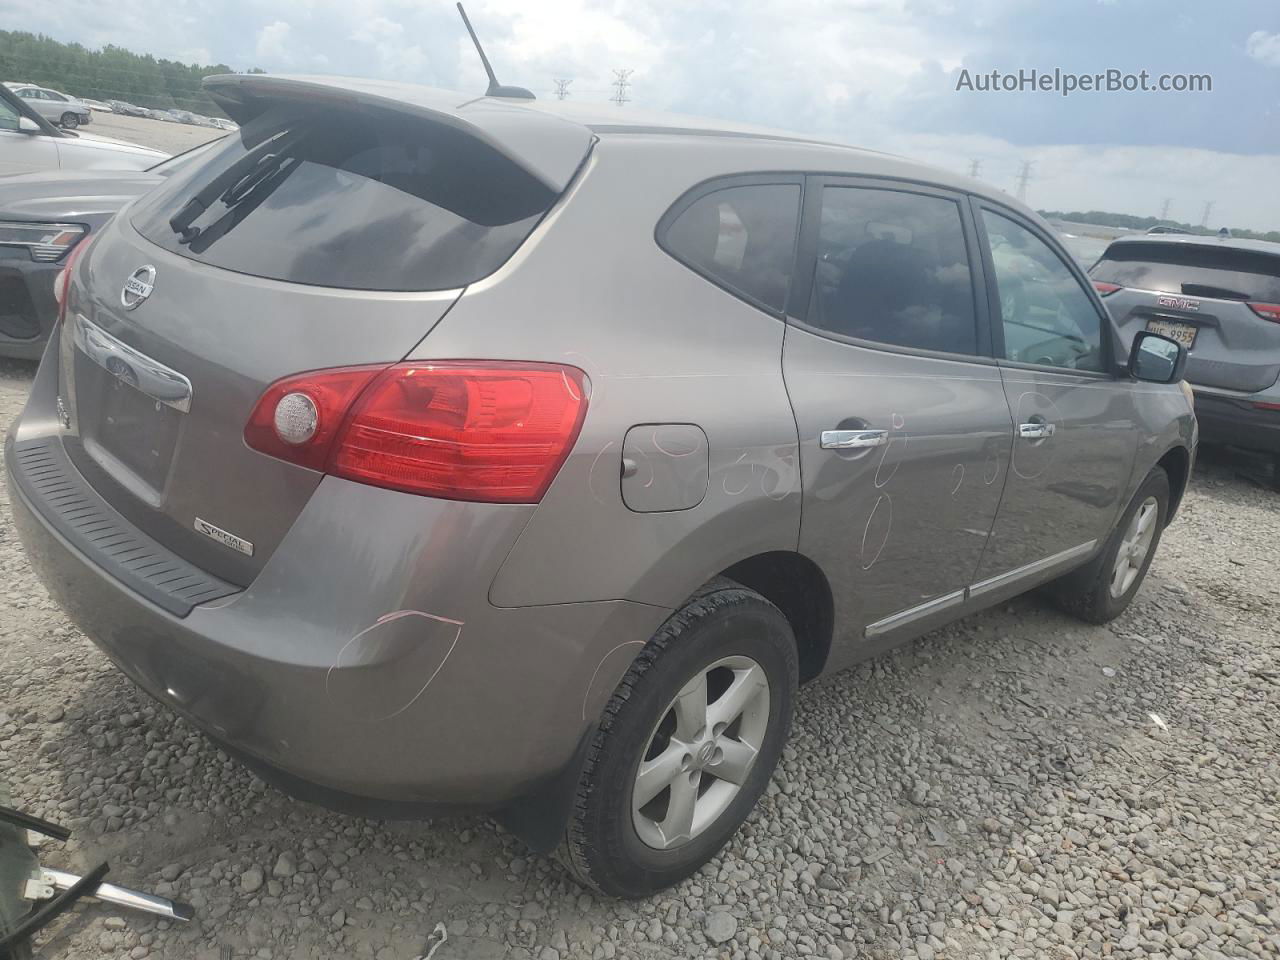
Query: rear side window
{"x": 893, "y": 268}
{"x": 1192, "y": 269}
{"x": 742, "y": 238}
{"x": 363, "y": 200}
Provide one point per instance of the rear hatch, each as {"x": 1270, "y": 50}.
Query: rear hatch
{"x": 1222, "y": 301}
{"x": 318, "y": 235}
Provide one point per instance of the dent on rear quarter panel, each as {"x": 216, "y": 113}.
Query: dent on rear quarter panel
{"x": 661, "y": 345}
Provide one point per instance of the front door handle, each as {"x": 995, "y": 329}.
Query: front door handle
{"x": 853, "y": 439}
{"x": 1035, "y": 431}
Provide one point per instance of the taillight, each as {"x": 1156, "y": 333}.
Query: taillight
{"x": 1106, "y": 289}
{"x": 492, "y": 431}
{"x": 62, "y": 282}
{"x": 1267, "y": 311}
{"x": 1262, "y": 405}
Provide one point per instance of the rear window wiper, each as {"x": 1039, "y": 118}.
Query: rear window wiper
{"x": 269, "y": 155}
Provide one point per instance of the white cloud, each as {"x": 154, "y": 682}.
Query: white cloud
{"x": 1264, "y": 47}
{"x": 273, "y": 42}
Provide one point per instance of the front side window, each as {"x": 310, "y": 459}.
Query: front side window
{"x": 742, "y": 238}
{"x": 8, "y": 117}
{"x": 1047, "y": 316}
{"x": 893, "y": 268}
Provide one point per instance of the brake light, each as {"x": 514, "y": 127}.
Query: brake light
{"x": 1106, "y": 289}
{"x": 492, "y": 431}
{"x": 62, "y": 282}
{"x": 1267, "y": 311}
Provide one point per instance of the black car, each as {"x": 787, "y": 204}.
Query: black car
{"x": 43, "y": 216}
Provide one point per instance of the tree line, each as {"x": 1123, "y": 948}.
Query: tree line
{"x": 1129, "y": 222}
{"x": 111, "y": 73}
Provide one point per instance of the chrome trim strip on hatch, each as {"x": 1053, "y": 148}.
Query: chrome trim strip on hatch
{"x": 912, "y": 614}
{"x": 160, "y": 383}
{"x": 1039, "y": 566}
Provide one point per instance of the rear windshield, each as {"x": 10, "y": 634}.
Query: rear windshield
{"x": 358, "y": 199}
{"x": 1192, "y": 269}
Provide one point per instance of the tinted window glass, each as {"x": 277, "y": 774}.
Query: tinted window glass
{"x": 8, "y": 117}
{"x": 1048, "y": 317}
{"x": 363, "y": 200}
{"x": 743, "y": 238}
{"x": 1193, "y": 270}
{"x": 893, "y": 268}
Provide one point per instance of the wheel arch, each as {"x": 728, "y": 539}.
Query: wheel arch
{"x": 798, "y": 587}
{"x": 1176, "y": 463}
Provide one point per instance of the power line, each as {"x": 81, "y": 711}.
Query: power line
{"x": 562, "y": 88}
{"x": 1164, "y": 208}
{"x": 620, "y": 85}
{"x": 1024, "y": 176}
{"x": 974, "y": 167}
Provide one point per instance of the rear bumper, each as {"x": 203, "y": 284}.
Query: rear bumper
{"x": 1237, "y": 422}
{"x": 348, "y": 684}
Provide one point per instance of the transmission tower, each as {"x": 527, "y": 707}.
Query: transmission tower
{"x": 620, "y": 86}
{"x": 1164, "y": 208}
{"x": 562, "y": 88}
{"x": 1208, "y": 209}
{"x": 974, "y": 167}
{"x": 1024, "y": 176}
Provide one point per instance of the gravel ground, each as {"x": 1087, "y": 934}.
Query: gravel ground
{"x": 1016, "y": 785}
{"x": 158, "y": 134}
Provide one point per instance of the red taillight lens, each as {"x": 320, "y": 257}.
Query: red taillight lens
{"x": 331, "y": 393}
{"x": 1267, "y": 311}
{"x": 1106, "y": 289}
{"x": 1260, "y": 405}
{"x": 62, "y": 282}
{"x": 462, "y": 430}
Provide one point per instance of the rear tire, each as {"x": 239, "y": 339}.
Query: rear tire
{"x": 744, "y": 650}
{"x": 70, "y": 121}
{"x": 1103, "y": 589}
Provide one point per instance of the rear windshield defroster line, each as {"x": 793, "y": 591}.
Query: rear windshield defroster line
{"x": 361, "y": 199}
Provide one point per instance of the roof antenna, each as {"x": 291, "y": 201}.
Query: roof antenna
{"x": 495, "y": 88}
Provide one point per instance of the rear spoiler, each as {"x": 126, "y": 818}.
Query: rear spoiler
{"x": 550, "y": 148}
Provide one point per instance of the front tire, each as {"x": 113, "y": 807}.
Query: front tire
{"x": 1104, "y": 588}
{"x": 686, "y": 745}
{"x": 70, "y": 121}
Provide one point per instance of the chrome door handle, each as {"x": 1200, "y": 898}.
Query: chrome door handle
{"x": 1035, "y": 431}
{"x": 151, "y": 377}
{"x": 853, "y": 439}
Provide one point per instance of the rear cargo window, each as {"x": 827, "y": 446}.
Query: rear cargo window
{"x": 357, "y": 199}
{"x": 1196, "y": 270}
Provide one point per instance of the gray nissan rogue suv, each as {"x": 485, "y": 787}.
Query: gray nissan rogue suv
{"x": 432, "y": 452}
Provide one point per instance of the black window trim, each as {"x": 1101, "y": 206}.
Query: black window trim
{"x": 1109, "y": 371}
{"x": 807, "y": 263}
{"x": 725, "y": 182}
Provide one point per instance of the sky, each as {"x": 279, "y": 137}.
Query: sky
{"x": 875, "y": 73}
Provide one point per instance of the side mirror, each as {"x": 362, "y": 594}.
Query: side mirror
{"x": 1156, "y": 358}
{"x": 27, "y": 125}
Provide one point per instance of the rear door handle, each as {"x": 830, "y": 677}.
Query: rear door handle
{"x": 853, "y": 439}
{"x": 1035, "y": 431}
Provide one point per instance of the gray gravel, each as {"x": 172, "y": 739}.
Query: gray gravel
{"x": 1017, "y": 785}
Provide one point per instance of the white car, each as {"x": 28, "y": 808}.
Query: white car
{"x": 29, "y": 143}
{"x": 54, "y": 106}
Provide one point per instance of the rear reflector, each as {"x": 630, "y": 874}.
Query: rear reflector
{"x": 1267, "y": 311}
{"x": 491, "y": 431}
{"x": 1106, "y": 289}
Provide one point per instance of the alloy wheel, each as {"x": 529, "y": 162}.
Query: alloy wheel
{"x": 700, "y": 752}
{"x": 1134, "y": 547}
